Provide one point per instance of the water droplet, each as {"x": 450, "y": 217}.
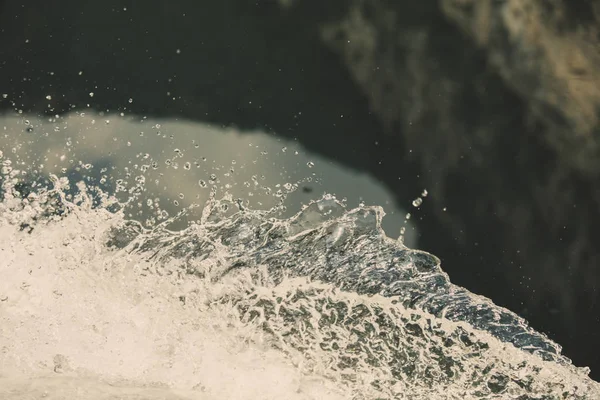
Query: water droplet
{"x": 310, "y": 164}
{"x": 408, "y": 216}
{"x": 202, "y": 183}
{"x": 213, "y": 177}
{"x": 48, "y": 97}
{"x": 284, "y": 149}
{"x": 91, "y": 94}
{"x": 425, "y": 193}
{"x": 130, "y": 100}
{"x": 187, "y": 166}
{"x": 417, "y": 202}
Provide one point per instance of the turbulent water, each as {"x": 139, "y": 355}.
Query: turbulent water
{"x": 326, "y": 290}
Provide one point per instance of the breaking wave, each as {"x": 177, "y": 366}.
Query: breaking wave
{"x": 325, "y": 289}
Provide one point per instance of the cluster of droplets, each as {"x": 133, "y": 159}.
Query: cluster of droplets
{"x": 416, "y": 203}
{"x": 145, "y": 176}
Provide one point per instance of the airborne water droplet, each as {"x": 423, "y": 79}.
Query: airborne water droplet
{"x": 310, "y": 164}
{"x": 202, "y": 183}
{"x": 417, "y": 202}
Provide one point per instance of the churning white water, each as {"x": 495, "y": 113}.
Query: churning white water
{"x": 121, "y": 280}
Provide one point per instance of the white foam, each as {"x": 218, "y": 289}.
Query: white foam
{"x": 72, "y": 309}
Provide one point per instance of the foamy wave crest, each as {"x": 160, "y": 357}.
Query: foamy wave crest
{"x": 326, "y": 290}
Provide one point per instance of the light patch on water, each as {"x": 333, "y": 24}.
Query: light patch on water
{"x": 182, "y": 162}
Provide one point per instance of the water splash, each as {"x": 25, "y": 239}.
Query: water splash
{"x": 325, "y": 288}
